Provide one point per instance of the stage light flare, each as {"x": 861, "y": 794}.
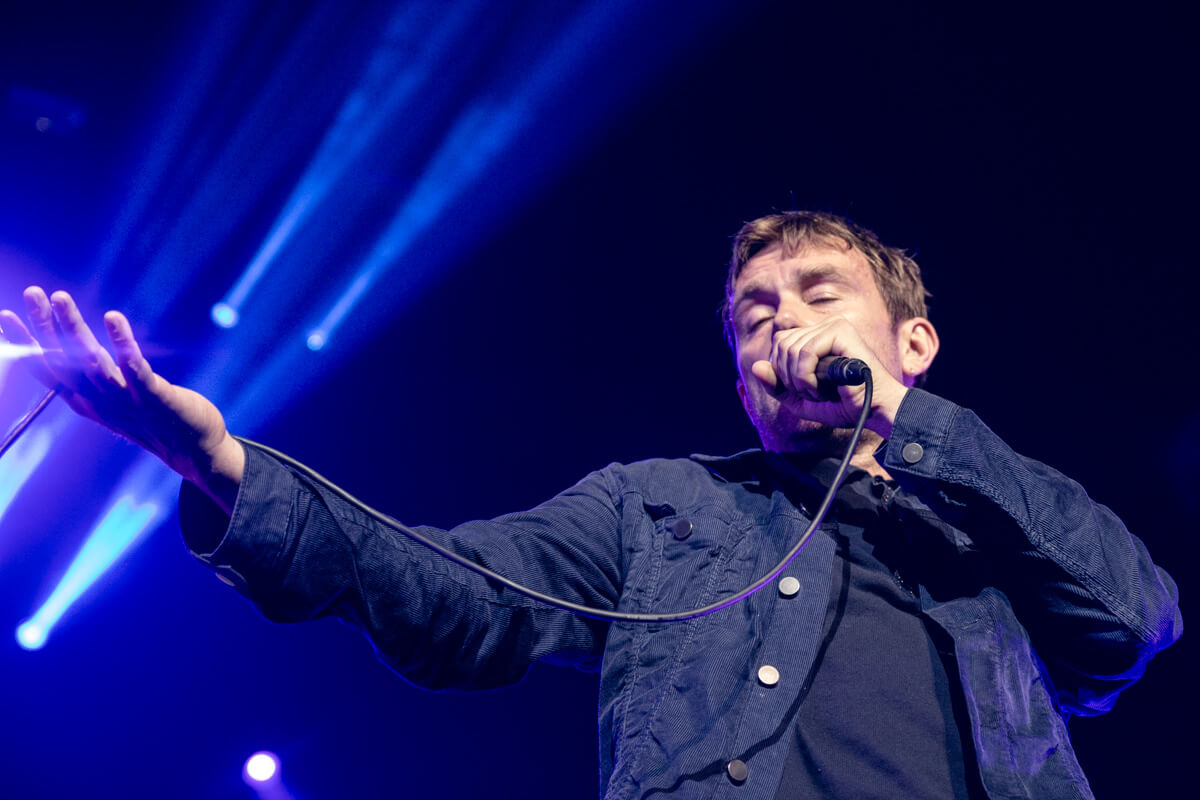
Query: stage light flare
{"x": 12, "y": 352}
{"x": 224, "y": 315}
{"x": 262, "y": 767}
{"x": 31, "y": 635}
{"x": 261, "y": 772}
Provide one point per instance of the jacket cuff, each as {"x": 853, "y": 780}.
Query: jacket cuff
{"x": 247, "y": 546}
{"x": 919, "y": 435}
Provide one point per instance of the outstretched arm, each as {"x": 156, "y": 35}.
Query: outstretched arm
{"x": 120, "y": 391}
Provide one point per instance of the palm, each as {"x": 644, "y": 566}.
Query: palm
{"x": 122, "y": 393}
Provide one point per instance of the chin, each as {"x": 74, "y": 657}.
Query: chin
{"x": 783, "y": 432}
{"x": 813, "y": 437}
{"x": 793, "y": 435}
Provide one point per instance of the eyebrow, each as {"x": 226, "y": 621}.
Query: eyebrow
{"x": 816, "y": 273}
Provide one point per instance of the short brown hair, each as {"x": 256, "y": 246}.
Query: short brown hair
{"x": 896, "y": 275}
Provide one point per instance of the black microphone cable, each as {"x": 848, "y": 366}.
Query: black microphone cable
{"x": 853, "y": 374}
{"x": 860, "y": 370}
{"x": 27, "y": 420}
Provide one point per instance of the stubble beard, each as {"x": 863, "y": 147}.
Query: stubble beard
{"x": 786, "y": 433}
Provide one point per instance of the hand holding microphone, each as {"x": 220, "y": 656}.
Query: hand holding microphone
{"x": 817, "y": 371}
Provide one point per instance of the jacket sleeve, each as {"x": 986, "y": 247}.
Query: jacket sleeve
{"x": 1095, "y": 606}
{"x": 300, "y": 552}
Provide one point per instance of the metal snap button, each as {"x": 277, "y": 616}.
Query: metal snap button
{"x": 768, "y": 675}
{"x": 682, "y": 528}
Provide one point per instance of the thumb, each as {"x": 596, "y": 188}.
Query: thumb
{"x": 766, "y": 374}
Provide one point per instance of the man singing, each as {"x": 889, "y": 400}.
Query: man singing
{"x": 958, "y": 604}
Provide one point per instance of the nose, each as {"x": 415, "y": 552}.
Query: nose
{"x": 786, "y": 319}
{"x": 792, "y": 314}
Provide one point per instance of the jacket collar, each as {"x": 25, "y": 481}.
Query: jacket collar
{"x": 755, "y": 465}
{"x": 746, "y": 466}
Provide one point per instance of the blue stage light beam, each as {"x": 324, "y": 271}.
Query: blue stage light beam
{"x": 125, "y": 520}
{"x": 391, "y": 80}
{"x": 533, "y": 77}
{"x": 483, "y": 131}
{"x": 20, "y": 462}
{"x": 532, "y": 84}
{"x": 476, "y": 137}
{"x": 141, "y": 503}
{"x": 212, "y": 38}
{"x": 249, "y": 144}
{"x": 215, "y": 203}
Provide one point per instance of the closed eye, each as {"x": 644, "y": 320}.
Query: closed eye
{"x": 755, "y": 323}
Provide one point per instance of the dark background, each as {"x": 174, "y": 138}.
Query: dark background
{"x": 1038, "y": 161}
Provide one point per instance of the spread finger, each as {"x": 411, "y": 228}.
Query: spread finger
{"x": 41, "y": 317}
{"x": 130, "y": 360}
{"x": 82, "y": 345}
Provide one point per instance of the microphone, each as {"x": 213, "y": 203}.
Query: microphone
{"x": 842, "y": 371}
{"x": 832, "y": 372}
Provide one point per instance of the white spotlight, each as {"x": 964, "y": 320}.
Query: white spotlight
{"x": 224, "y": 315}
{"x": 31, "y": 635}
{"x": 261, "y": 767}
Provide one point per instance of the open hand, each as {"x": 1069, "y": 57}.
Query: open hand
{"x": 120, "y": 391}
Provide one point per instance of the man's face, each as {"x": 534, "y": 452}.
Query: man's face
{"x": 774, "y": 293}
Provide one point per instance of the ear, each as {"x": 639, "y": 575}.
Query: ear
{"x": 917, "y": 340}
{"x": 741, "y": 390}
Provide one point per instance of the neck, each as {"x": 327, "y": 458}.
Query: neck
{"x": 832, "y": 442}
{"x": 864, "y": 454}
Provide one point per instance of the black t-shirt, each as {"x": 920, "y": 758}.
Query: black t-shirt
{"x": 883, "y": 715}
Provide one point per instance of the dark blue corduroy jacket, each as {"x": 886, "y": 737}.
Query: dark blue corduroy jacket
{"x": 1052, "y": 605}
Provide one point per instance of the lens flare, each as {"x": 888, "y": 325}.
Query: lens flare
{"x": 31, "y": 635}
{"x": 262, "y": 766}
{"x": 224, "y": 315}
{"x": 11, "y": 352}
